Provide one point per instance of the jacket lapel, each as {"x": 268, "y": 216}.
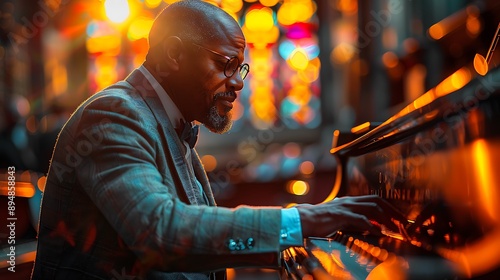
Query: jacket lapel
{"x": 175, "y": 149}
{"x": 202, "y": 177}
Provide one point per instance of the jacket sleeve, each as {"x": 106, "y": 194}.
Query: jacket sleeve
{"x": 120, "y": 140}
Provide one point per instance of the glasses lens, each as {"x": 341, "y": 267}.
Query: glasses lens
{"x": 245, "y": 68}
{"x": 231, "y": 67}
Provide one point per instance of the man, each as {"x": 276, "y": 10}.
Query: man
{"x": 127, "y": 198}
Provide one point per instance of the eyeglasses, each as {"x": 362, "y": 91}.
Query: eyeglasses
{"x": 232, "y": 64}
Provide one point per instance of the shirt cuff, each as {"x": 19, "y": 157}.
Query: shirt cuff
{"x": 291, "y": 229}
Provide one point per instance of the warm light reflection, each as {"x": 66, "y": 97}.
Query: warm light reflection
{"x": 342, "y": 53}
{"x": 209, "y": 162}
{"x": 23, "y": 189}
{"x": 437, "y": 31}
{"x": 298, "y": 187}
{"x": 269, "y": 3}
{"x": 306, "y": 167}
{"x": 480, "y": 64}
{"x": 415, "y": 82}
{"x": 110, "y": 44}
{"x": 390, "y": 59}
{"x": 117, "y": 10}
{"x": 292, "y": 11}
{"x": 41, "y": 183}
{"x": 485, "y": 178}
{"x": 139, "y": 28}
{"x": 233, "y": 6}
{"x": 260, "y": 20}
{"x": 300, "y": 94}
{"x": 392, "y": 268}
{"x": 348, "y": 7}
{"x": 311, "y": 73}
{"x": 473, "y": 25}
{"x": 298, "y": 59}
{"x": 364, "y": 127}
{"x": 454, "y": 82}
{"x": 152, "y": 3}
{"x": 261, "y": 39}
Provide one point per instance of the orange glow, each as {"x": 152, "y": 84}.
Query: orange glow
{"x": 41, "y": 183}
{"x": 311, "y": 73}
{"x": 454, "y": 82}
{"x": 306, "y": 168}
{"x": 209, "y": 162}
{"x": 480, "y": 64}
{"x": 106, "y": 71}
{"x": 31, "y": 124}
{"x": 59, "y": 79}
{"x": 104, "y": 61}
{"x": 304, "y": 115}
{"x": 290, "y": 205}
{"x": 262, "y": 106}
{"x": 335, "y": 138}
{"x": 437, "y": 31}
{"x": 109, "y": 44}
{"x": 390, "y": 59}
{"x": 300, "y": 94}
{"x": 485, "y": 178}
{"x": 415, "y": 82}
{"x": 342, "y": 53}
{"x": 298, "y": 187}
{"x": 23, "y": 189}
{"x": 361, "y": 128}
{"x": 477, "y": 258}
{"x": 473, "y": 25}
{"x": 349, "y": 7}
{"x": 393, "y": 268}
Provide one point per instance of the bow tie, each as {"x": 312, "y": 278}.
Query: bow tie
{"x": 189, "y": 133}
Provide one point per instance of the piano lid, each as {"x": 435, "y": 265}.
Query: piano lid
{"x": 458, "y": 94}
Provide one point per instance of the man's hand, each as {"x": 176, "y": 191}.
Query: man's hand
{"x": 357, "y": 213}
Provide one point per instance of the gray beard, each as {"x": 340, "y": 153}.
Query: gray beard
{"x": 217, "y": 123}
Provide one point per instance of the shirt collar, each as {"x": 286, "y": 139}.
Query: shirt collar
{"x": 173, "y": 112}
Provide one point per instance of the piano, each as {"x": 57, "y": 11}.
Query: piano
{"x": 438, "y": 162}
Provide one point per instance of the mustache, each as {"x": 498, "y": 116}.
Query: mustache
{"x": 225, "y": 94}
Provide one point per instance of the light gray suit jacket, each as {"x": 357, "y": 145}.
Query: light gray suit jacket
{"x": 120, "y": 201}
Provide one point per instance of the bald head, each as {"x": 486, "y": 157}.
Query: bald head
{"x": 190, "y": 19}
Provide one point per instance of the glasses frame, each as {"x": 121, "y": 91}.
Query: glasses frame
{"x": 243, "y": 68}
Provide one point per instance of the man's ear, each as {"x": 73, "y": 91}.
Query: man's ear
{"x": 172, "y": 50}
